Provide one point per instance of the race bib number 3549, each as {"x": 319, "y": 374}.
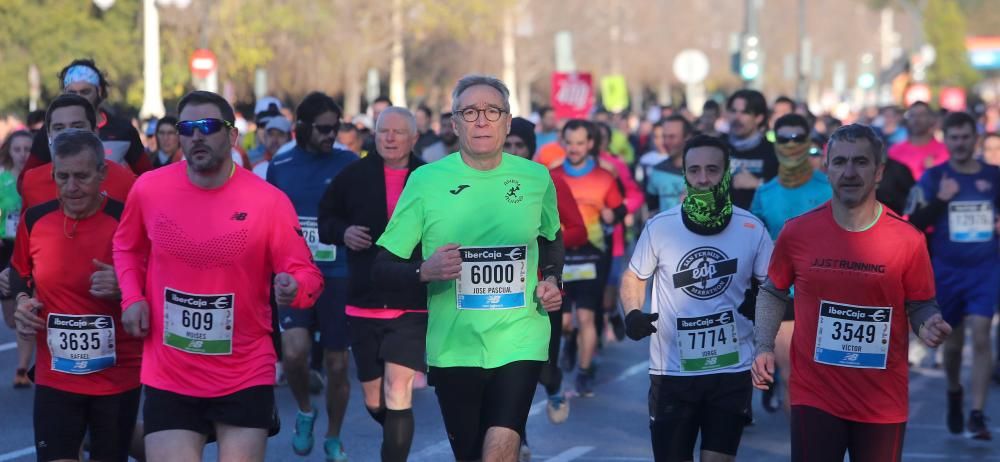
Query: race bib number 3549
{"x": 492, "y": 278}
{"x": 198, "y": 324}
{"x": 853, "y": 336}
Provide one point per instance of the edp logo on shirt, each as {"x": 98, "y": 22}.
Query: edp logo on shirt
{"x": 704, "y": 273}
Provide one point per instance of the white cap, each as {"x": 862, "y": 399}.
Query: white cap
{"x": 279, "y": 123}
{"x": 264, "y": 103}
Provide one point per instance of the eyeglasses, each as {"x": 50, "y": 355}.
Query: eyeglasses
{"x": 326, "y": 129}
{"x": 514, "y": 144}
{"x": 472, "y": 114}
{"x": 815, "y": 152}
{"x": 205, "y": 126}
{"x": 784, "y": 139}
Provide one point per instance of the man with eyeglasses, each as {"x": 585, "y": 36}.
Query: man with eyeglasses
{"x": 304, "y": 173}
{"x": 487, "y": 223}
{"x": 195, "y": 269}
{"x": 797, "y": 189}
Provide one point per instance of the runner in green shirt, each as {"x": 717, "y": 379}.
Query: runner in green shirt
{"x": 489, "y": 222}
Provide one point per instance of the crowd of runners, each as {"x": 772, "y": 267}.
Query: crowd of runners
{"x": 195, "y": 269}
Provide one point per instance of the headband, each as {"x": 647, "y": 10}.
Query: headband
{"x": 81, "y": 73}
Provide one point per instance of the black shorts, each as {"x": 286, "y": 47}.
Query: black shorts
{"x": 249, "y": 408}
{"x": 327, "y": 316}
{"x": 818, "y": 436}
{"x": 474, "y": 399}
{"x": 586, "y": 294}
{"x": 716, "y": 405}
{"x": 375, "y": 342}
{"x": 63, "y": 418}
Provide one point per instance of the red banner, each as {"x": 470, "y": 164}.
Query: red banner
{"x": 572, "y": 95}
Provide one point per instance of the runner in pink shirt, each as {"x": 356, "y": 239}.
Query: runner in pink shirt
{"x": 920, "y": 151}
{"x": 195, "y": 269}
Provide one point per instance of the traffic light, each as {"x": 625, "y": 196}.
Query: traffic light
{"x": 750, "y": 58}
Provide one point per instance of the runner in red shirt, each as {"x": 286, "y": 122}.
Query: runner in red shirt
{"x": 66, "y": 112}
{"x": 195, "y": 269}
{"x": 88, "y": 369}
{"x": 862, "y": 276}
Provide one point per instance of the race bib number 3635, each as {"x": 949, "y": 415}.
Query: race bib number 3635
{"x": 198, "y": 324}
{"x": 492, "y": 278}
{"x": 853, "y": 336}
{"x": 81, "y": 344}
{"x": 708, "y": 342}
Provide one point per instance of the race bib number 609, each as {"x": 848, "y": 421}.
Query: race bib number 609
{"x": 492, "y": 278}
{"x": 198, "y": 324}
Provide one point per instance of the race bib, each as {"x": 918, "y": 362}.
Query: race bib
{"x": 708, "y": 342}
{"x": 320, "y": 252}
{"x": 198, "y": 324}
{"x": 579, "y": 272}
{"x": 81, "y": 344}
{"x": 492, "y": 278}
{"x": 970, "y": 221}
{"x": 853, "y": 336}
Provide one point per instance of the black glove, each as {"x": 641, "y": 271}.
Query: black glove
{"x": 639, "y": 325}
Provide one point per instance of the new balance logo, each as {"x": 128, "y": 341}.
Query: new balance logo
{"x": 459, "y": 189}
{"x": 240, "y": 216}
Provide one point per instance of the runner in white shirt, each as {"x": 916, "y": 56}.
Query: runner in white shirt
{"x": 701, "y": 257}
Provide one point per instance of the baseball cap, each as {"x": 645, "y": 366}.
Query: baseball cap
{"x": 279, "y": 123}
{"x": 264, "y": 105}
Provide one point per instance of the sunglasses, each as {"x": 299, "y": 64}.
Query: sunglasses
{"x": 782, "y": 139}
{"x": 325, "y": 129}
{"x": 205, "y": 126}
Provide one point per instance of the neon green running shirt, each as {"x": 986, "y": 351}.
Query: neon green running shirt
{"x": 489, "y": 317}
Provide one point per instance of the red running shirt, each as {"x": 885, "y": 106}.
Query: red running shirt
{"x": 203, "y": 260}
{"x": 56, "y": 256}
{"x": 884, "y": 266}
{"x": 38, "y": 187}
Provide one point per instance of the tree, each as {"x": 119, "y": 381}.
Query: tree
{"x": 51, "y": 33}
{"x": 944, "y": 27}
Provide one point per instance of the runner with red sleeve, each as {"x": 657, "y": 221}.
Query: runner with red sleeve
{"x": 88, "y": 368}
{"x": 862, "y": 275}
{"x": 195, "y": 270}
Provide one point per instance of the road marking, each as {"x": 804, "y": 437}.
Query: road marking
{"x": 918, "y": 426}
{"x": 636, "y": 368}
{"x": 8, "y": 346}
{"x": 15, "y": 454}
{"x": 917, "y": 455}
{"x": 571, "y": 454}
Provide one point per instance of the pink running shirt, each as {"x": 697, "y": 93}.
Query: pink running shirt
{"x": 203, "y": 260}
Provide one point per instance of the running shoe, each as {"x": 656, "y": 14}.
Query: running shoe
{"x": 334, "y": 449}
{"x": 302, "y": 440}
{"x": 558, "y": 408}
{"x": 316, "y": 382}
{"x": 525, "y": 454}
{"x": 978, "y": 428}
{"x": 955, "y": 411}
{"x": 21, "y": 379}
{"x": 769, "y": 398}
{"x": 585, "y": 384}
{"x": 618, "y": 326}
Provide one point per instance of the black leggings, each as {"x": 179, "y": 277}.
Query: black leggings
{"x": 551, "y": 376}
{"x": 818, "y": 436}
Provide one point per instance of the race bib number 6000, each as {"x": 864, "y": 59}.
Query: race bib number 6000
{"x": 492, "y": 278}
{"x": 853, "y": 336}
{"x": 81, "y": 344}
{"x": 708, "y": 342}
{"x": 198, "y": 324}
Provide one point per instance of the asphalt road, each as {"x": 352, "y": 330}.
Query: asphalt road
{"x": 610, "y": 427}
